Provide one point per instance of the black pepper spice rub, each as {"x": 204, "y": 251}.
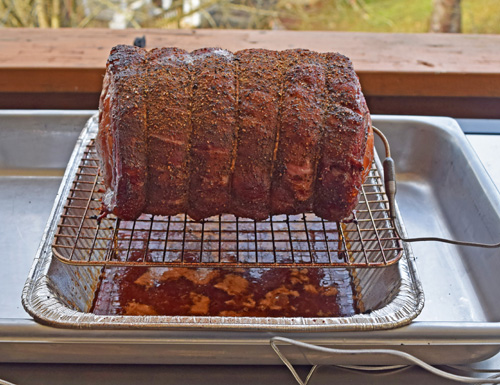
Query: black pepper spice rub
{"x": 169, "y": 130}
{"x": 123, "y": 132}
{"x": 260, "y": 76}
{"x": 300, "y": 121}
{"x": 214, "y": 129}
{"x": 343, "y": 148}
{"x": 252, "y": 134}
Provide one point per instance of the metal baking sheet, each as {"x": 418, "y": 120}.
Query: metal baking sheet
{"x": 459, "y": 322}
{"x": 58, "y": 294}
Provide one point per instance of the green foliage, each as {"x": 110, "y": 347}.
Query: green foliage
{"x": 481, "y": 16}
{"x": 478, "y": 16}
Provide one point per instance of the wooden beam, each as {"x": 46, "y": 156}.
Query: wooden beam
{"x": 389, "y": 65}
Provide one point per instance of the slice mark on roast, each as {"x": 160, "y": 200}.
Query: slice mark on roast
{"x": 169, "y": 125}
{"x": 214, "y": 126}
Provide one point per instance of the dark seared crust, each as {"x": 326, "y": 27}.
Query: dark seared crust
{"x": 340, "y": 166}
{"x": 127, "y": 69}
{"x": 104, "y": 141}
{"x": 255, "y": 134}
{"x": 301, "y": 120}
{"x": 214, "y": 131}
{"x": 258, "y": 101}
{"x": 169, "y": 127}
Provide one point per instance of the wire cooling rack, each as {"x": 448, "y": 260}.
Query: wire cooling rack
{"x": 366, "y": 239}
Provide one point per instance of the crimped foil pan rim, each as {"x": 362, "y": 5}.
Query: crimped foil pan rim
{"x": 43, "y": 305}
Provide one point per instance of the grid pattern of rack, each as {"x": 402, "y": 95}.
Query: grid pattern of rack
{"x": 367, "y": 239}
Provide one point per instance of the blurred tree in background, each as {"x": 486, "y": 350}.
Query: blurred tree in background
{"x": 446, "y": 16}
{"x": 469, "y": 16}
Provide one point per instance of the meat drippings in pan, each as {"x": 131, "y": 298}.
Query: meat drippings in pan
{"x": 250, "y": 290}
{"x": 255, "y": 292}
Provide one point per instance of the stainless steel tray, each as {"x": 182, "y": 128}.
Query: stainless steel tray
{"x": 460, "y": 321}
{"x": 59, "y": 294}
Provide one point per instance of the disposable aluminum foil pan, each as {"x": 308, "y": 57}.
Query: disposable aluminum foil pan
{"x": 61, "y": 295}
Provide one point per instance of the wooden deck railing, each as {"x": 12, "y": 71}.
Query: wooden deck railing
{"x": 432, "y": 74}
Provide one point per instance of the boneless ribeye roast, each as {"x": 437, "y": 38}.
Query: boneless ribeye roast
{"x": 252, "y": 133}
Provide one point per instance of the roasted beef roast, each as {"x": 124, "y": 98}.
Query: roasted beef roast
{"x": 253, "y": 133}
